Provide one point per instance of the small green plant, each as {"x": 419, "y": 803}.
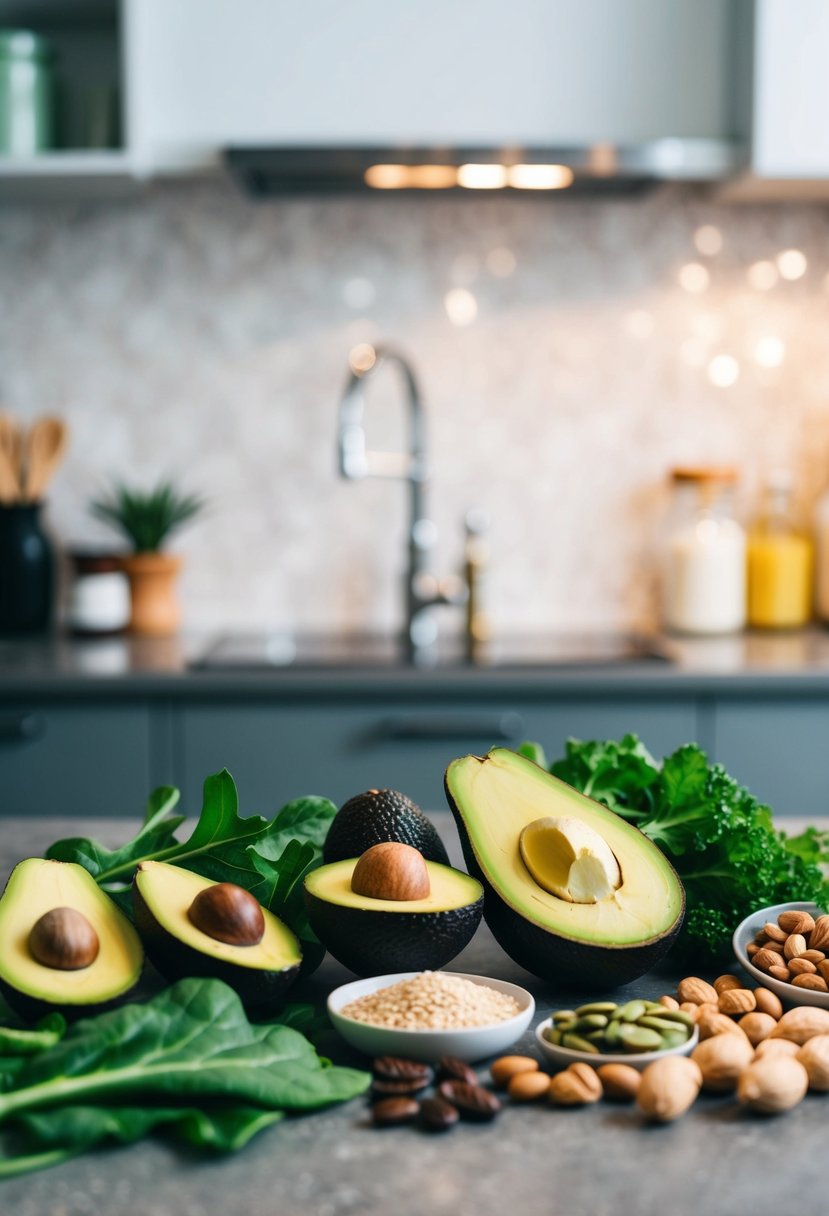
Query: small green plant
{"x": 146, "y": 517}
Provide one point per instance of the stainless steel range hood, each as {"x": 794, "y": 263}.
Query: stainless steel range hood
{"x": 598, "y": 169}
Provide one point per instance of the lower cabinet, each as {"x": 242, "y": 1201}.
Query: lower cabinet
{"x": 74, "y": 759}
{"x": 278, "y": 752}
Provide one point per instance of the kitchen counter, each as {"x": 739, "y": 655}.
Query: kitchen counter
{"x": 536, "y": 1161}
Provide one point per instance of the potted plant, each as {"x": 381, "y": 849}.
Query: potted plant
{"x": 147, "y": 518}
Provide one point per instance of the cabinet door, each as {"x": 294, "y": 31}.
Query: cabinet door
{"x": 778, "y": 748}
{"x": 73, "y": 759}
{"x": 276, "y": 753}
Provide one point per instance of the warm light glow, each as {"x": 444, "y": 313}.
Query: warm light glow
{"x": 708, "y": 240}
{"x": 362, "y": 358}
{"x": 482, "y": 177}
{"x": 539, "y": 177}
{"x": 769, "y": 351}
{"x": 639, "y": 324}
{"x": 723, "y": 371}
{"x": 693, "y": 352}
{"x": 500, "y": 262}
{"x": 693, "y": 277}
{"x": 411, "y": 177}
{"x": 461, "y": 306}
{"x": 792, "y": 264}
{"x": 762, "y": 276}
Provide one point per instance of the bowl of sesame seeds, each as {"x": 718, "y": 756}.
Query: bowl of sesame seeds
{"x": 423, "y": 1015}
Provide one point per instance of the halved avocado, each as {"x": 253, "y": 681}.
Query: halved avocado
{"x": 371, "y": 936}
{"x": 597, "y": 944}
{"x": 162, "y": 896}
{"x": 35, "y": 888}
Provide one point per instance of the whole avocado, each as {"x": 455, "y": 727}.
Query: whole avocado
{"x": 377, "y": 816}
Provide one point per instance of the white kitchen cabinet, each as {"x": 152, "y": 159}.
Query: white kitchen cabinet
{"x": 209, "y": 73}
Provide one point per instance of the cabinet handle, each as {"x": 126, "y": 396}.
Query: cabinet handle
{"x": 21, "y": 728}
{"x": 496, "y": 727}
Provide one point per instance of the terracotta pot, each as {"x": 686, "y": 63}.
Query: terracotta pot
{"x": 155, "y": 608}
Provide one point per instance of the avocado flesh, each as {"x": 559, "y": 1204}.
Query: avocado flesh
{"x": 609, "y": 942}
{"x": 448, "y": 889}
{"x": 167, "y": 892}
{"x": 35, "y": 887}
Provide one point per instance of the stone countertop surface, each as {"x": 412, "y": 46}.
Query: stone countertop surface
{"x": 534, "y": 1160}
{"x": 132, "y": 667}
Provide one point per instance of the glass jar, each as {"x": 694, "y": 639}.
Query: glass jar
{"x": 26, "y": 109}
{"x": 27, "y": 571}
{"x": 99, "y": 599}
{"x": 704, "y": 565}
{"x": 779, "y": 562}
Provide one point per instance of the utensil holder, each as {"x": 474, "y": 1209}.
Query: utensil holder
{"x": 27, "y": 571}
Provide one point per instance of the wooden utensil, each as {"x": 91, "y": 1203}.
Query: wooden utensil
{"x": 44, "y": 448}
{"x": 10, "y": 456}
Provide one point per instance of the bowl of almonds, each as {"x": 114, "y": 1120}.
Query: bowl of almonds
{"x": 786, "y": 948}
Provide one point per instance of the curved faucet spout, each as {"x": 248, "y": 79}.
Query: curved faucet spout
{"x": 355, "y": 460}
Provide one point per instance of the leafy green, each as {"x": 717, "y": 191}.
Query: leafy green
{"x": 268, "y": 857}
{"x": 146, "y": 517}
{"x": 110, "y": 1077}
{"x": 718, "y": 836}
{"x": 19, "y": 1042}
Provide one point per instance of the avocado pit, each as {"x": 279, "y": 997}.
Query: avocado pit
{"x": 228, "y": 913}
{"x": 391, "y": 870}
{"x": 64, "y": 940}
{"x": 570, "y": 859}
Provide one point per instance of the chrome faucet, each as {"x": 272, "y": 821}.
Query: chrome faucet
{"x": 423, "y": 591}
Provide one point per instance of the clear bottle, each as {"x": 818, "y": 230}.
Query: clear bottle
{"x": 780, "y": 562}
{"x": 704, "y": 574}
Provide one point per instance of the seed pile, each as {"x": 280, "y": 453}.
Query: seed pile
{"x": 433, "y": 1000}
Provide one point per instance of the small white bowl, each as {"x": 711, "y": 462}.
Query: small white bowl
{"x": 744, "y": 934}
{"x": 472, "y": 1043}
{"x": 562, "y": 1056}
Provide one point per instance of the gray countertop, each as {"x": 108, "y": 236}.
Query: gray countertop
{"x": 536, "y": 1161}
{"x": 145, "y": 667}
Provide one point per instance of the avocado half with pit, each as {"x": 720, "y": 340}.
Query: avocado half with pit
{"x": 64, "y": 945}
{"x": 192, "y": 926}
{"x": 392, "y": 910}
{"x": 573, "y": 893}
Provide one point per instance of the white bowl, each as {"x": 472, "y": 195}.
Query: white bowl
{"x": 744, "y": 933}
{"x": 472, "y": 1043}
{"x": 562, "y": 1056}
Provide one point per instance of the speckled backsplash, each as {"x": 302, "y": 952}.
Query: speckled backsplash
{"x": 568, "y": 357}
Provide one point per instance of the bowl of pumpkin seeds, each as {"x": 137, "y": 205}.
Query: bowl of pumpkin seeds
{"x": 602, "y": 1032}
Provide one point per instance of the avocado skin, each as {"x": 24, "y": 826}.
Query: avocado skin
{"x": 375, "y": 817}
{"x": 258, "y": 990}
{"x": 376, "y": 943}
{"x": 561, "y": 961}
{"x": 32, "y": 1008}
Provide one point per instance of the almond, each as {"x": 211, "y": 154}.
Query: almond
{"x": 668, "y": 1002}
{"x": 815, "y": 983}
{"x": 802, "y": 1023}
{"x": 690, "y": 1007}
{"x": 776, "y": 947}
{"x": 814, "y": 1056}
{"x": 668, "y": 1087}
{"x": 813, "y": 956}
{"x": 576, "y": 1086}
{"x": 723, "y": 983}
{"x": 715, "y": 1023}
{"x": 768, "y": 1002}
{"x": 772, "y": 1085}
{"x": 819, "y": 937}
{"x": 764, "y": 959}
{"x": 721, "y": 1060}
{"x": 801, "y": 966}
{"x": 694, "y": 989}
{"x": 505, "y": 1068}
{"x": 751, "y": 949}
{"x": 737, "y": 1000}
{"x": 619, "y": 1081}
{"x": 776, "y": 1047}
{"x": 780, "y": 973}
{"x": 823, "y": 969}
{"x": 528, "y": 1086}
{"x": 795, "y": 922}
{"x": 775, "y": 932}
{"x": 757, "y": 1026}
{"x": 794, "y": 945}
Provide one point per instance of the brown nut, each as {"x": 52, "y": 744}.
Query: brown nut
{"x": 823, "y": 969}
{"x": 776, "y": 1047}
{"x": 64, "y": 940}
{"x": 668, "y": 1002}
{"x": 813, "y": 956}
{"x": 801, "y": 966}
{"x": 776, "y": 947}
{"x": 694, "y": 989}
{"x": 815, "y": 983}
{"x": 814, "y": 1056}
{"x": 737, "y": 1000}
{"x": 507, "y": 1067}
{"x": 819, "y": 937}
{"x": 528, "y": 1086}
{"x": 780, "y": 973}
{"x": 765, "y": 958}
{"x": 619, "y": 1081}
{"x": 751, "y": 949}
{"x": 576, "y": 1086}
{"x": 802, "y": 1023}
{"x": 690, "y": 1007}
{"x": 794, "y": 945}
{"x": 772, "y": 1085}
{"x": 668, "y": 1087}
{"x": 795, "y": 922}
{"x": 757, "y": 1026}
{"x": 725, "y": 982}
{"x": 775, "y": 933}
{"x": 768, "y": 1002}
{"x": 715, "y": 1023}
{"x": 721, "y": 1059}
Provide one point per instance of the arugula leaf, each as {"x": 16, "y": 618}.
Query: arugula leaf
{"x": 157, "y": 833}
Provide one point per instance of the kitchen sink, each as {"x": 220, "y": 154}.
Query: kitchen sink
{"x": 281, "y": 649}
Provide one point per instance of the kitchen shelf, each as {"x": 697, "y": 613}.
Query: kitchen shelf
{"x": 69, "y": 173}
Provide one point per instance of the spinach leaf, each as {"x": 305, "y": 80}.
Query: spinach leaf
{"x": 18, "y": 1042}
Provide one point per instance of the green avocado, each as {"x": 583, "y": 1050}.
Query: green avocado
{"x": 162, "y": 897}
{"x": 374, "y": 936}
{"x": 518, "y": 825}
{"x": 72, "y": 986}
{"x": 376, "y": 816}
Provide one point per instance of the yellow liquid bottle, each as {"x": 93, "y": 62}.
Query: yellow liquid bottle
{"x": 780, "y": 564}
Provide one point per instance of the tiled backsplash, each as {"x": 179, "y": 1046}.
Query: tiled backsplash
{"x": 569, "y": 353}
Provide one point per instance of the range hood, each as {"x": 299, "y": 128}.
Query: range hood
{"x": 597, "y": 169}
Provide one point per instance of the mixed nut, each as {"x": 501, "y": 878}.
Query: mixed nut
{"x": 794, "y": 950}
{"x": 636, "y": 1026}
